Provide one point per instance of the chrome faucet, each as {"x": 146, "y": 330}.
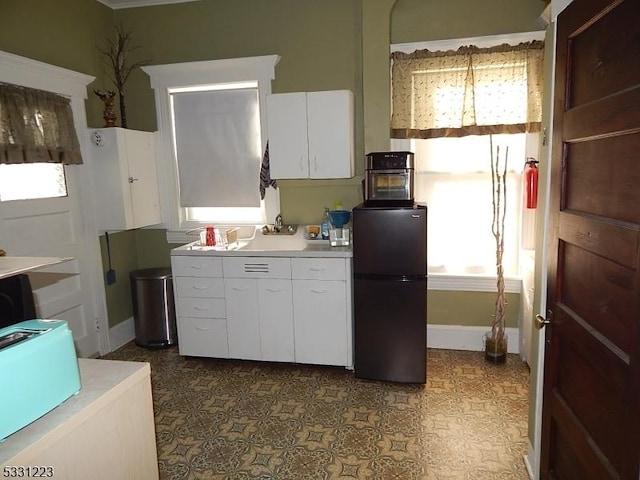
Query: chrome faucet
{"x": 278, "y": 223}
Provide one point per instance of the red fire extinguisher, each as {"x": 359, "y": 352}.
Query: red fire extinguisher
{"x": 531, "y": 182}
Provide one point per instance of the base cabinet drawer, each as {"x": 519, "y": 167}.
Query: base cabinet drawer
{"x": 201, "y": 307}
{"x": 203, "y": 337}
{"x": 196, "y": 266}
{"x": 318, "y": 269}
{"x": 200, "y": 287}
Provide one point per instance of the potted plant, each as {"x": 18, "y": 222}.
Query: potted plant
{"x": 495, "y": 341}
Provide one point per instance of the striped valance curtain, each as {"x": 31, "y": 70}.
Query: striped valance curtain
{"x": 36, "y": 127}
{"x": 469, "y": 91}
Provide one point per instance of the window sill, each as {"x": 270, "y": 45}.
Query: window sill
{"x": 471, "y": 283}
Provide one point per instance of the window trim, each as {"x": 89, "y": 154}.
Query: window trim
{"x": 192, "y": 74}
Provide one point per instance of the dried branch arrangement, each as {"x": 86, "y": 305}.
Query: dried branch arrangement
{"x": 118, "y": 57}
{"x": 497, "y": 341}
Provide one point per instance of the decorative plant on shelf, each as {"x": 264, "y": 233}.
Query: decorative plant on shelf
{"x": 117, "y": 55}
{"x": 496, "y": 340}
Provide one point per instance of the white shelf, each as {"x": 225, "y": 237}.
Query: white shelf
{"x": 15, "y": 265}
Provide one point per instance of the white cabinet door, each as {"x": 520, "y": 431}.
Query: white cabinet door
{"x": 311, "y": 135}
{"x": 142, "y": 179}
{"x": 243, "y": 327}
{"x": 330, "y": 131}
{"x": 320, "y": 313}
{"x": 125, "y": 179}
{"x": 287, "y": 135}
{"x": 276, "y": 320}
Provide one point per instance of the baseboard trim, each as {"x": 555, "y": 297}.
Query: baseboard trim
{"x": 458, "y": 337}
{"x": 121, "y": 334}
{"x": 527, "y": 461}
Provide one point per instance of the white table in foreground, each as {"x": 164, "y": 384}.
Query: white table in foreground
{"x": 105, "y": 432}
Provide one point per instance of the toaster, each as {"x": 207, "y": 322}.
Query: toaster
{"x": 38, "y": 371}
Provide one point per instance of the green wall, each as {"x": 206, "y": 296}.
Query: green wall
{"x": 428, "y": 20}
{"x": 65, "y": 33}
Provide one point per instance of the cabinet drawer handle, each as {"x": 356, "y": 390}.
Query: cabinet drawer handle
{"x": 203, "y": 329}
{"x": 197, "y": 267}
{"x": 200, "y": 287}
{"x": 317, "y": 269}
{"x": 200, "y": 309}
{"x": 274, "y": 290}
{"x": 318, "y": 291}
{"x": 237, "y": 289}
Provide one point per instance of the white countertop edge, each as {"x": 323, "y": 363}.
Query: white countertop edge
{"x": 310, "y": 251}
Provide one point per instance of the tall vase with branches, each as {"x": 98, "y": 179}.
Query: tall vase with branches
{"x": 496, "y": 340}
{"x": 117, "y": 55}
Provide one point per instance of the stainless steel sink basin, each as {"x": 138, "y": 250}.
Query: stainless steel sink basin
{"x": 283, "y": 230}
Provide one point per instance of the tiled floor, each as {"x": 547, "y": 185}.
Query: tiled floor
{"x": 248, "y": 420}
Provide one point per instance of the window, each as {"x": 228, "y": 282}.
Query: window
{"x": 27, "y": 181}
{"x": 447, "y": 104}
{"x": 453, "y": 177}
{"x": 218, "y": 151}
{"x": 213, "y": 135}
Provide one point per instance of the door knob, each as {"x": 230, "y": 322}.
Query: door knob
{"x": 541, "y": 321}
{"x": 132, "y": 179}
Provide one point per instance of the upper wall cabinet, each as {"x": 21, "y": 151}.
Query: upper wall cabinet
{"x": 311, "y": 134}
{"x": 125, "y": 179}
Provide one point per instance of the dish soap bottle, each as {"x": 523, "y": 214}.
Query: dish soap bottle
{"x": 325, "y": 225}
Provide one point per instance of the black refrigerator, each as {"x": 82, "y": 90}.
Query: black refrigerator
{"x": 390, "y": 292}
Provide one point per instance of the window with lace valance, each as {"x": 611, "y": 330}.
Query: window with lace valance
{"x": 469, "y": 91}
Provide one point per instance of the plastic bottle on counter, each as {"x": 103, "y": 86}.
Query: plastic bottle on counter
{"x": 325, "y": 225}
{"x": 210, "y": 237}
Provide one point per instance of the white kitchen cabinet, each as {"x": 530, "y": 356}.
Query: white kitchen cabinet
{"x": 259, "y": 308}
{"x": 311, "y": 134}
{"x": 277, "y": 309}
{"x": 322, "y": 310}
{"x": 125, "y": 179}
{"x": 199, "y": 295}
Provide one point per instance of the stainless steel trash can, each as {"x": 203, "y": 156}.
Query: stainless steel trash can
{"x": 154, "y": 312}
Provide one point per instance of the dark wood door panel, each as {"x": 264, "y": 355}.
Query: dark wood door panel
{"x": 573, "y": 455}
{"x": 601, "y": 293}
{"x": 602, "y": 177}
{"x": 593, "y": 382}
{"x": 613, "y": 240}
{"x": 614, "y": 115}
{"x": 604, "y": 67}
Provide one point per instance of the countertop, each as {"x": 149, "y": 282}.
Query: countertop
{"x": 269, "y": 246}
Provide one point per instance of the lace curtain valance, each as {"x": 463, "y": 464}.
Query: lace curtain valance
{"x": 36, "y": 127}
{"x": 470, "y": 91}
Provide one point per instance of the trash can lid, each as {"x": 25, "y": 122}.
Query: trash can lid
{"x": 158, "y": 273}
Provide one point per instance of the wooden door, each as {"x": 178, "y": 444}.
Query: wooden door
{"x": 591, "y": 406}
